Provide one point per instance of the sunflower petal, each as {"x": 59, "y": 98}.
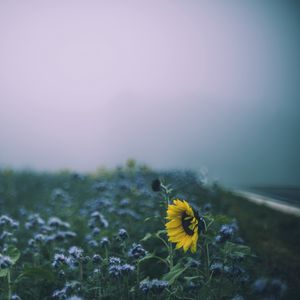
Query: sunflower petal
{"x": 182, "y": 242}
{"x": 183, "y": 232}
{"x": 174, "y": 222}
{"x": 187, "y": 244}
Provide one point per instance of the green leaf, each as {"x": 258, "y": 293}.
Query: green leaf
{"x": 148, "y": 256}
{"x": 236, "y": 250}
{"x": 37, "y": 273}
{"x": 146, "y": 237}
{"x": 174, "y": 273}
{"x": 222, "y": 219}
{"x": 191, "y": 278}
{"x": 3, "y": 272}
{"x": 13, "y": 253}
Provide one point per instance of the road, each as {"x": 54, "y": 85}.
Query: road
{"x": 286, "y": 200}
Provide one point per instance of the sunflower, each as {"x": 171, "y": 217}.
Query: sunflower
{"x": 182, "y": 227}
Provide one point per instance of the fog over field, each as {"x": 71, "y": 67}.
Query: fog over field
{"x": 174, "y": 84}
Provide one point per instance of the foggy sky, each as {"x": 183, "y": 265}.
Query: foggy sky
{"x": 175, "y": 84}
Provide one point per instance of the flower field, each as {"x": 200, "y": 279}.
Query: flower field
{"x": 131, "y": 233}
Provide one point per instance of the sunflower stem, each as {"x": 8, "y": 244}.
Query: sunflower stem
{"x": 171, "y": 255}
{"x": 205, "y": 251}
{"x": 167, "y": 200}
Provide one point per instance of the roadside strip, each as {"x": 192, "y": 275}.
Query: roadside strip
{"x": 272, "y": 203}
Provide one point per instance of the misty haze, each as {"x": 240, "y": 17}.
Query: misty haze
{"x": 183, "y": 85}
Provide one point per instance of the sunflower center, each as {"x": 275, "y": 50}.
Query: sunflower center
{"x": 186, "y": 222}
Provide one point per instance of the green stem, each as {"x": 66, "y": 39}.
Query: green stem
{"x": 170, "y": 248}
{"x": 207, "y": 256}
{"x": 138, "y": 274}
{"x": 9, "y": 284}
{"x": 127, "y": 286}
{"x": 80, "y": 271}
{"x": 106, "y": 253}
{"x": 171, "y": 255}
{"x": 99, "y": 280}
{"x": 161, "y": 259}
{"x": 166, "y": 244}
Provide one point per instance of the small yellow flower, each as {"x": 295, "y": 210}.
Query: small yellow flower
{"x": 182, "y": 227}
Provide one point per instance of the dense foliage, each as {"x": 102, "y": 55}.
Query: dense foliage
{"x": 102, "y": 236}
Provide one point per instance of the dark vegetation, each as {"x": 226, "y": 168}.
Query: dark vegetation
{"x": 101, "y": 236}
{"x": 273, "y": 236}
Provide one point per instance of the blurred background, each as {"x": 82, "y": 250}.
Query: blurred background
{"x": 173, "y": 84}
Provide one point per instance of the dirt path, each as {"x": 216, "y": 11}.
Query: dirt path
{"x": 270, "y": 202}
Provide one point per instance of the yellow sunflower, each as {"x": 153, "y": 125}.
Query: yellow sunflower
{"x": 182, "y": 227}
